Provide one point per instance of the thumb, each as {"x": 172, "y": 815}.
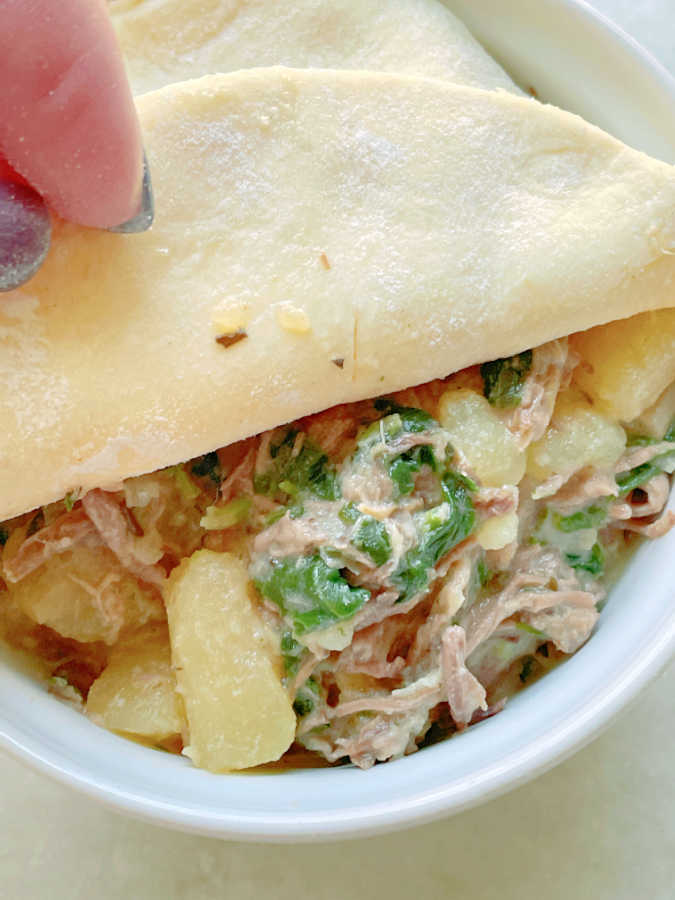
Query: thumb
{"x": 67, "y": 118}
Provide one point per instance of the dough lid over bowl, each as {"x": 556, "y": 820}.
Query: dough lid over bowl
{"x": 164, "y": 41}
{"x": 405, "y": 226}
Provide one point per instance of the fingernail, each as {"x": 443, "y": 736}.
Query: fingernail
{"x": 25, "y": 234}
{"x": 145, "y": 216}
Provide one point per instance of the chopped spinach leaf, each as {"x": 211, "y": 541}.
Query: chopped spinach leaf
{"x": 309, "y": 470}
{"x": 275, "y": 516}
{"x": 4, "y": 536}
{"x": 349, "y": 514}
{"x": 484, "y": 574}
{"x": 403, "y": 468}
{"x": 400, "y": 466}
{"x": 306, "y": 698}
{"x": 71, "y": 498}
{"x": 503, "y": 379}
{"x": 218, "y": 518}
{"x": 641, "y": 440}
{"x": 291, "y": 652}
{"x": 186, "y": 486}
{"x": 593, "y": 562}
{"x": 530, "y": 629}
{"x": 310, "y": 593}
{"x": 207, "y": 466}
{"x": 439, "y": 530}
{"x": 592, "y": 517}
{"x": 412, "y": 419}
{"x": 632, "y": 479}
{"x": 480, "y": 576}
{"x": 528, "y": 666}
{"x": 464, "y": 480}
{"x": 628, "y": 481}
{"x": 383, "y": 431}
{"x": 373, "y": 539}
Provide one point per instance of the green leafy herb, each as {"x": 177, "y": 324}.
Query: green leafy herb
{"x": 628, "y": 481}
{"x": 373, "y": 539}
{"x": 523, "y": 626}
{"x": 310, "y": 593}
{"x": 412, "y": 419}
{"x": 484, "y": 574}
{"x": 306, "y": 698}
{"x": 309, "y": 470}
{"x": 480, "y": 576}
{"x": 528, "y": 666}
{"x": 217, "y": 518}
{"x": 503, "y": 379}
{"x": 593, "y": 562}
{"x": 403, "y": 468}
{"x": 4, "y": 536}
{"x": 275, "y": 516}
{"x": 71, "y": 499}
{"x": 641, "y": 440}
{"x": 464, "y": 480}
{"x": 400, "y": 420}
{"x": 349, "y": 514}
{"x": 186, "y": 486}
{"x": 291, "y": 653}
{"x": 592, "y": 517}
{"x": 439, "y": 530}
{"x": 207, "y": 466}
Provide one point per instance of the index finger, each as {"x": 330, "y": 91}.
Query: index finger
{"x": 67, "y": 117}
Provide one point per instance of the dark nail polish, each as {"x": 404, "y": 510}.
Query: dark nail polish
{"x": 25, "y": 233}
{"x": 145, "y": 216}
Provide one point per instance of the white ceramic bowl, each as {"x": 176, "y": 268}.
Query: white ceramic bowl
{"x": 574, "y": 58}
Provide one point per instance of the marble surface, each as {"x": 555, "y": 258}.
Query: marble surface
{"x": 600, "y": 826}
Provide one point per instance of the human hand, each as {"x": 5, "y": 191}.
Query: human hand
{"x": 69, "y": 135}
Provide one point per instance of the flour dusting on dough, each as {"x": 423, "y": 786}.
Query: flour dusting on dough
{"x": 25, "y": 369}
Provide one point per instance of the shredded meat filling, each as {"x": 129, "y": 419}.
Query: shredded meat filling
{"x": 395, "y": 606}
{"x": 528, "y": 591}
{"x": 552, "y": 366}
{"x": 109, "y": 520}
{"x": 62, "y": 534}
{"x": 465, "y": 694}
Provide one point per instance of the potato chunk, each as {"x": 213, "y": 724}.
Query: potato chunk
{"x": 85, "y": 594}
{"x": 656, "y": 419}
{"x": 497, "y": 532}
{"x": 136, "y": 692}
{"x": 477, "y": 431}
{"x": 626, "y": 365}
{"x": 227, "y": 665}
{"x": 578, "y": 436}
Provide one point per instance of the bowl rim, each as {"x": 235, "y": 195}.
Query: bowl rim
{"x": 419, "y": 805}
{"x": 424, "y": 806}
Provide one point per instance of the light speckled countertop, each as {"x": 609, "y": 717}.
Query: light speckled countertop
{"x": 600, "y": 826}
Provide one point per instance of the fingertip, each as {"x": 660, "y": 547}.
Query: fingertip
{"x": 146, "y": 213}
